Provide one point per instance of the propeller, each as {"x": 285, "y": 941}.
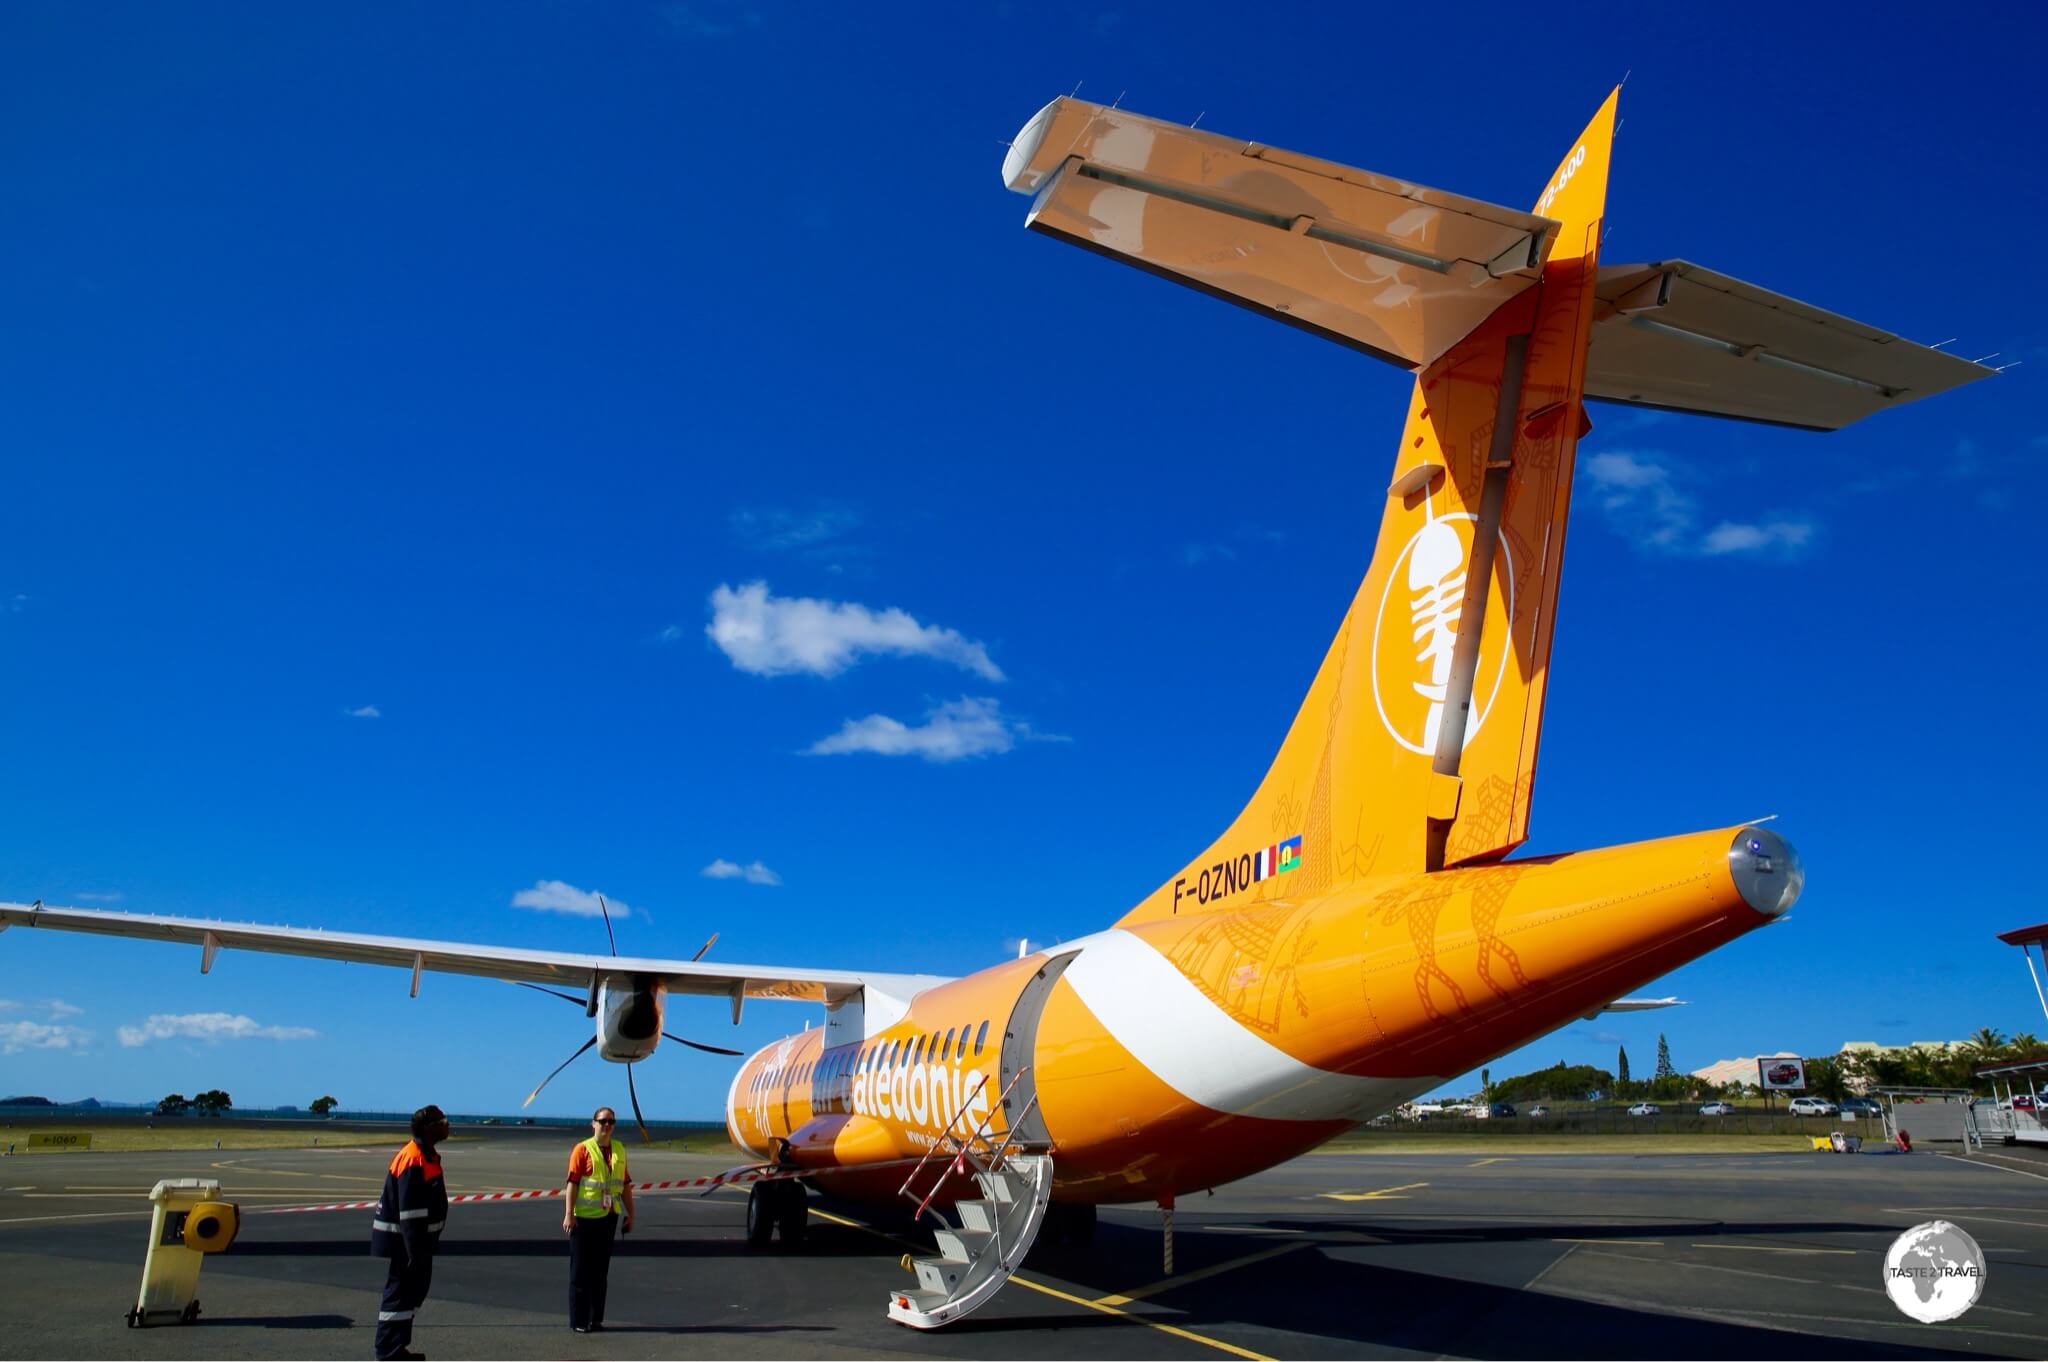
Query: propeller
{"x": 553, "y": 992}
{"x": 558, "y": 1068}
{"x": 632, "y": 1091}
{"x": 638, "y": 1119}
{"x": 699, "y": 1045}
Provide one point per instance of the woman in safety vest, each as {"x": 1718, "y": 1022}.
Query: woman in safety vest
{"x": 598, "y": 1186}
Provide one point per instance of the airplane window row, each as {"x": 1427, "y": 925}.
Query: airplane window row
{"x": 882, "y": 1055}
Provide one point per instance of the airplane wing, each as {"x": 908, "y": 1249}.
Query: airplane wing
{"x": 1383, "y": 265}
{"x": 491, "y": 962}
{"x": 1680, "y": 337}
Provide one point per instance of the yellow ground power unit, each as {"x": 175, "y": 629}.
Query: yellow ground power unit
{"x": 188, "y": 1222}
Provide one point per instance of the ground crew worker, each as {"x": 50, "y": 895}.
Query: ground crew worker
{"x": 406, "y": 1229}
{"x": 598, "y": 1187}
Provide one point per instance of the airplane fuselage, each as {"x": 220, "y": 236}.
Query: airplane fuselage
{"x": 1173, "y": 1055}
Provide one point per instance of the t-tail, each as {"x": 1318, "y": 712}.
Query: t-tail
{"x": 1415, "y": 749}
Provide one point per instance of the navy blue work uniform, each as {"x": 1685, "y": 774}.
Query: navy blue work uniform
{"x": 406, "y": 1229}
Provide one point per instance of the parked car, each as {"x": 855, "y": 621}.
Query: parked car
{"x": 1646, "y": 1109}
{"x": 1862, "y": 1106}
{"x": 1813, "y": 1106}
{"x": 1499, "y": 1109}
{"x": 2023, "y": 1102}
{"x": 1717, "y": 1109}
{"x": 1539, "y": 1110}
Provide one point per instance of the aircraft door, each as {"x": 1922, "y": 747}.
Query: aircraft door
{"x": 1020, "y": 1047}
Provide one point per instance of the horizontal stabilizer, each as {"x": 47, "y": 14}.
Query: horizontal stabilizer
{"x": 1641, "y": 1004}
{"x": 1389, "y": 267}
{"x": 1683, "y": 338}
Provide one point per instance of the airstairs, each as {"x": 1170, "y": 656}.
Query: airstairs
{"x": 994, "y": 1231}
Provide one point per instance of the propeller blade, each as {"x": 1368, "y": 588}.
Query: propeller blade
{"x": 558, "y": 1068}
{"x": 606, "y": 909}
{"x": 553, "y": 992}
{"x": 705, "y": 947}
{"x": 638, "y": 1119}
{"x": 699, "y": 1045}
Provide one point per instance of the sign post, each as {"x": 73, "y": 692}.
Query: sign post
{"x": 60, "y": 1139}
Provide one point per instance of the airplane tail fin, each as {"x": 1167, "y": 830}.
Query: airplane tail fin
{"x": 1416, "y": 746}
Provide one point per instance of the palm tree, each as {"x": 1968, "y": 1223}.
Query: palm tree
{"x": 1987, "y": 1044}
{"x": 2025, "y": 1045}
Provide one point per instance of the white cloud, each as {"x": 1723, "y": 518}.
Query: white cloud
{"x": 211, "y": 1027}
{"x": 56, "y": 1007}
{"x": 1642, "y": 497}
{"x": 554, "y": 896}
{"x": 1728, "y": 537}
{"x": 364, "y": 712}
{"x": 753, "y": 872}
{"x": 967, "y": 727}
{"x": 775, "y": 635}
{"x": 27, "y": 1035}
{"x": 780, "y": 529}
{"x": 669, "y": 633}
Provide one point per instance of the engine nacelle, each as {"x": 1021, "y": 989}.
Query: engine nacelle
{"x": 629, "y": 1009}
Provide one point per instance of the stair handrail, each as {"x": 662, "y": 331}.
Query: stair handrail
{"x": 981, "y": 1081}
{"x": 966, "y": 1146}
{"x": 980, "y": 1131}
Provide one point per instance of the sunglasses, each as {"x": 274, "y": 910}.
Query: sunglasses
{"x": 604, "y": 1120}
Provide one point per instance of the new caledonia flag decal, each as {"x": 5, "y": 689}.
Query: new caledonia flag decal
{"x": 1277, "y": 860}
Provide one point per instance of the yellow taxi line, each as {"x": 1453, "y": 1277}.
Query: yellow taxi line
{"x": 1068, "y": 1297}
{"x": 1138, "y": 1293}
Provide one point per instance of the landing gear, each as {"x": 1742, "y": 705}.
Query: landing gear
{"x": 760, "y": 1214}
{"x": 773, "y": 1206}
{"x": 1068, "y": 1223}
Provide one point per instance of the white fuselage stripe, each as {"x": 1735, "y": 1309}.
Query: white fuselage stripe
{"x": 1168, "y": 1025}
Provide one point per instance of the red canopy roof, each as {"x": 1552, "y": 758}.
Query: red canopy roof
{"x": 2027, "y": 936}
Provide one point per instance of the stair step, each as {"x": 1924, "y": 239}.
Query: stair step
{"x": 997, "y": 1187}
{"x": 962, "y": 1244}
{"x": 938, "y": 1274}
{"x": 978, "y": 1216}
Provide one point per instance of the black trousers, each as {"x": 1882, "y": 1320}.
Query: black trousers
{"x": 405, "y": 1290}
{"x": 590, "y": 1264}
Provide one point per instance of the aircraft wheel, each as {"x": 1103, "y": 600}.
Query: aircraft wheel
{"x": 760, "y": 1215}
{"x": 793, "y": 1217}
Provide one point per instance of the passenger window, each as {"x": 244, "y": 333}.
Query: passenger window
{"x": 918, "y": 1056}
{"x": 946, "y": 1046}
{"x": 979, "y": 1037}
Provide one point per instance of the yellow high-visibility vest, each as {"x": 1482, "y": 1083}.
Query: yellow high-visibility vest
{"x": 604, "y": 1186}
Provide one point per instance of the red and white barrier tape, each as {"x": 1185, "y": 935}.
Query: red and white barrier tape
{"x": 736, "y": 1179}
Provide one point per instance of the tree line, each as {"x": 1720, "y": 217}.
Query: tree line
{"x": 1830, "y": 1076}
{"x": 214, "y": 1102}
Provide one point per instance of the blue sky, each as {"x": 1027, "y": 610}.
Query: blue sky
{"x": 394, "y": 400}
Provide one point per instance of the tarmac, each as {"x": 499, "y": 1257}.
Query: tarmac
{"x": 1331, "y": 1255}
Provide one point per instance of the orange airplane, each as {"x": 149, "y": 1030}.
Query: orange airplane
{"x": 1355, "y": 936}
